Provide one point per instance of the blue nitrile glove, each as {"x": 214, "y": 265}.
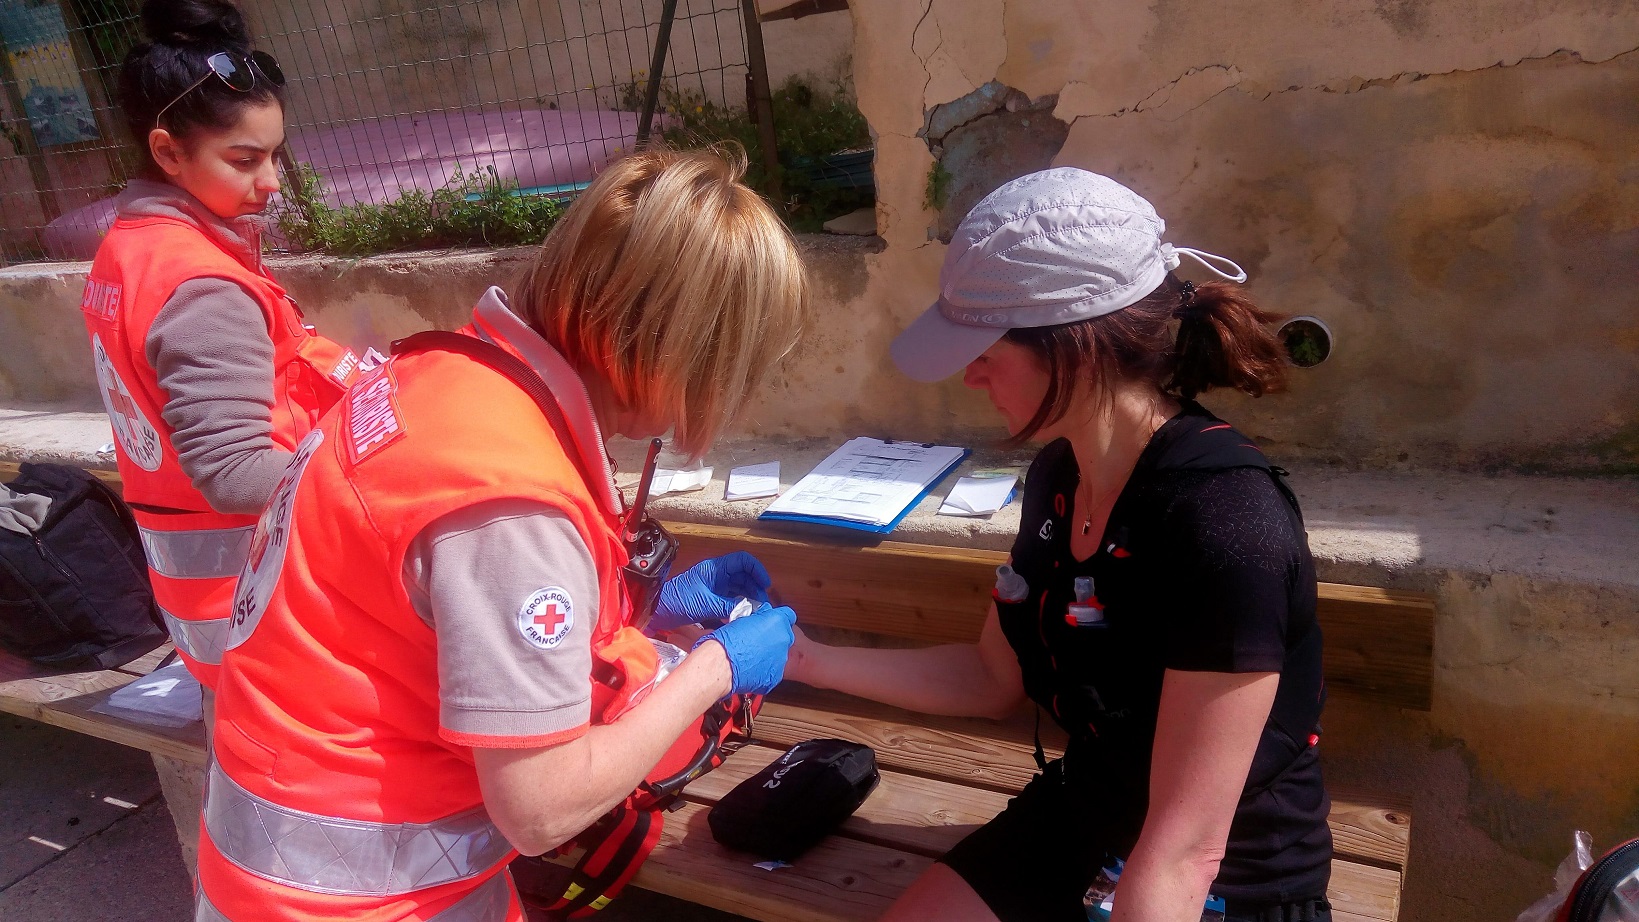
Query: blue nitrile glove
{"x": 708, "y": 591}
{"x": 756, "y": 645}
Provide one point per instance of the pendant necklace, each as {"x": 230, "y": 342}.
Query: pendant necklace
{"x": 1087, "y": 520}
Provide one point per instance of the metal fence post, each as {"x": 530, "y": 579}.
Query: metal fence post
{"x": 763, "y": 113}
{"x": 21, "y": 132}
{"x": 657, "y": 64}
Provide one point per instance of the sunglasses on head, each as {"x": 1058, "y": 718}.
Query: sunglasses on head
{"x": 237, "y": 71}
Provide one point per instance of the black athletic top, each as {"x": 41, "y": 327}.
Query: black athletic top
{"x": 1203, "y": 566}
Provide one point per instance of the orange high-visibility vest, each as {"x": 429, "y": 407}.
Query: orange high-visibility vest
{"x": 327, "y": 737}
{"x": 194, "y": 553}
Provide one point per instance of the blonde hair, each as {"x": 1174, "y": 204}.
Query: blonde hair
{"x": 675, "y": 284}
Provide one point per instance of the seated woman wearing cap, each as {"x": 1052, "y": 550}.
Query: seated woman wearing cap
{"x": 1162, "y": 604}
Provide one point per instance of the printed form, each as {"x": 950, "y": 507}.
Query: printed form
{"x": 868, "y": 481}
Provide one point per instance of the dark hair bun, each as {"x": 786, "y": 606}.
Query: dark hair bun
{"x": 195, "y": 22}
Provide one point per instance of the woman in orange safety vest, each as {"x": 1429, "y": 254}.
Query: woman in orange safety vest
{"x": 413, "y": 689}
{"x": 206, "y": 370}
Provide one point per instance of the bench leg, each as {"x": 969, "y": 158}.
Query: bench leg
{"x": 184, "y": 787}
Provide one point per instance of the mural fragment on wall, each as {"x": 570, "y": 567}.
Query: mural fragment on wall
{"x": 35, "y": 40}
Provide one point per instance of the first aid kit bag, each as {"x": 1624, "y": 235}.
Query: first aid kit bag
{"x": 799, "y": 799}
{"x": 1608, "y": 891}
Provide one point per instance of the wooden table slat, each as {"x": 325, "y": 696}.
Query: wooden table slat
{"x": 65, "y": 700}
{"x": 839, "y": 879}
{"x": 848, "y": 879}
{"x": 929, "y": 816}
{"x": 148, "y": 662}
{"x": 185, "y": 744}
{"x": 25, "y": 688}
{"x": 1362, "y": 891}
{"x": 969, "y": 759}
{"x": 922, "y": 815}
{"x": 1370, "y": 831}
{"x": 1379, "y": 642}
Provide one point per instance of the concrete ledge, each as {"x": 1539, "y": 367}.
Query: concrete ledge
{"x": 1396, "y": 530}
{"x": 367, "y": 301}
{"x": 56, "y": 434}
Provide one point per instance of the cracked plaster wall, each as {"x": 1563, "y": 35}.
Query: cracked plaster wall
{"x": 1452, "y": 187}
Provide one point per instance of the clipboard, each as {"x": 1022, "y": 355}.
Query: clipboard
{"x": 900, "y": 473}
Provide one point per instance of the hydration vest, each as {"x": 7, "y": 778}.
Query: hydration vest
{"x": 1061, "y": 662}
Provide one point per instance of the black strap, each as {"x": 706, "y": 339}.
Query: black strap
{"x": 633, "y": 827}
{"x": 1279, "y": 475}
{"x": 510, "y": 367}
{"x": 1041, "y": 754}
{"x": 123, "y": 510}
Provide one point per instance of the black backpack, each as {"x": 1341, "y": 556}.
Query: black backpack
{"x": 799, "y": 799}
{"x": 74, "y": 594}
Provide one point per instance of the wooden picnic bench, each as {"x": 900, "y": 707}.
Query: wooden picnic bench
{"x": 942, "y": 777}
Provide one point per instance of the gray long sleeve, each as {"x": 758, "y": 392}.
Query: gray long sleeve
{"x": 212, "y": 352}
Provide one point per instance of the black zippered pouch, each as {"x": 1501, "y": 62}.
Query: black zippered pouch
{"x": 799, "y": 799}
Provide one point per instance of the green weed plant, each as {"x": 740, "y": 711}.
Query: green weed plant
{"x": 472, "y": 209}
{"x": 481, "y": 209}
{"x": 809, "y": 125}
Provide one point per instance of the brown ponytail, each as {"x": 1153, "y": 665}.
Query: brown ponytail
{"x": 1185, "y": 340}
{"x": 1224, "y": 341}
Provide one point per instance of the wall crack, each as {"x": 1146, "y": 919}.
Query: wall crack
{"x": 1238, "y": 81}
{"x": 939, "y": 42}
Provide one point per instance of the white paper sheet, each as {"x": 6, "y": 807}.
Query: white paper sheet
{"x": 868, "y": 481}
{"x": 753, "y": 481}
{"x": 667, "y": 481}
{"x": 166, "y": 697}
{"x": 979, "y": 494}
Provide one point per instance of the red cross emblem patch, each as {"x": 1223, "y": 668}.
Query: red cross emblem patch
{"x": 546, "y": 617}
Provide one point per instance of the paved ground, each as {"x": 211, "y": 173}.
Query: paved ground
{"x": 84, "y": 833}
{"x": 85, "y": 837}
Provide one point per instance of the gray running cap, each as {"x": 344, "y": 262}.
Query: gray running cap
{"x": 1049, "y": 248}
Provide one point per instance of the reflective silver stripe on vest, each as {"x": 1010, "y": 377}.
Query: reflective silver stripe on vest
{"x": 210, "y": 553}
{"x": 204, "y": 911}
{"x": 201, "y": 640}
{"x": 328, "y": 854}
{"x": 489, "y": 903}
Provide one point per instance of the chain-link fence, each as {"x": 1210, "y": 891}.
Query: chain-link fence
{"x": 387, "y": 101}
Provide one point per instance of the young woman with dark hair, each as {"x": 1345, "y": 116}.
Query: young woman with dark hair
{"x": 208, "y": 373}
{"x": 1161, "y": 604}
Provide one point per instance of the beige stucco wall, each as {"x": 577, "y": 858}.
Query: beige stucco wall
{"x": 365, "y": 302}
{"x": 1451, "y": 187}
